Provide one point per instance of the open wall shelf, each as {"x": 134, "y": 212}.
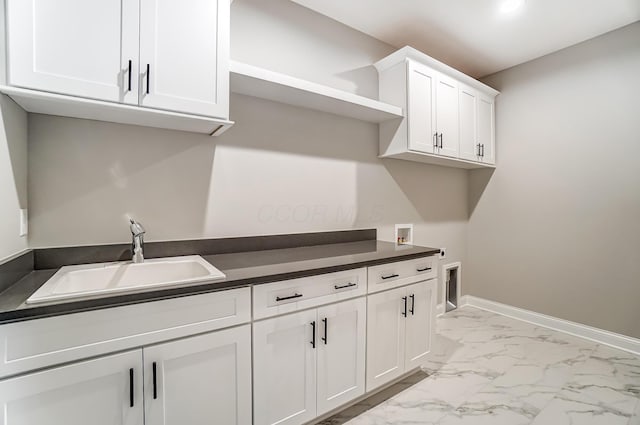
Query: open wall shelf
{"x": 258, "y": 82}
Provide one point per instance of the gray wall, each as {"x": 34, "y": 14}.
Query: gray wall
{"x": 280, "y": 169}
{"x": 13, "y": 176}
{"x": 557, "y": 228}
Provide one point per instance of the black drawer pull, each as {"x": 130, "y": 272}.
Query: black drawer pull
{"x": 289, "y": 297}
{"x": 423, "y": 270}
{"x": 404, "y": 313}
{"x": 348, "y": 285}
{"x": 390, "y": 276}
{"x": 129, "y": 78}
{"x": 326, "y": 325}
{"x": 155, "y": 382}
{"x": 313, "y": 334}
{"x": 131, "y": 387}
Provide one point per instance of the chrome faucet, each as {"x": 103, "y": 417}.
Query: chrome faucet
{"x": 137, "y": 243}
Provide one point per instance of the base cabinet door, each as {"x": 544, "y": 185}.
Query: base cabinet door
{"x": 419, "y": 324}
{"x": 103, "y": 391}
{"x": 341, "y": 353}
{"x": 284, "y": 372}
{"x": 385, "y": 336}
{"x": 200, "y": 380}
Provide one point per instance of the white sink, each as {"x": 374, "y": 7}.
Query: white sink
{"x": 94, "y": 280}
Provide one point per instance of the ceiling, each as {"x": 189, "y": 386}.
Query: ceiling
{"x": 479, "y": 37}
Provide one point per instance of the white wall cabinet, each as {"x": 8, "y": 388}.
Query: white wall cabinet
{"x": 200, "y": 380}
{"x": 184, "y": 62}
{"x": 103, "y": 391}
{"x": 477, "y": 136}
{"x": 146, "y": 54}
{"x": 399, "y": 330}
{"x": 446, "y": 121}
{"x": 308, "y": 363}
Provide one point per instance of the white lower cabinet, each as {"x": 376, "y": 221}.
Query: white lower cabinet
{"x": 200, "y": 380}
{"x": 399, "y": 328}
{"x": 104, "y": 391}
{"x": 308, "y": 363}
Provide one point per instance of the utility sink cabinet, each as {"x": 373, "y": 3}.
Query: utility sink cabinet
{"x": 285, "y": 352}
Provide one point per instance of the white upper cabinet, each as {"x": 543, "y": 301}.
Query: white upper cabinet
{"x": 421, "y": 110}
{"x": 75, "y": 47}
{"x": 183, "y": 61}
{"x": 486, "y": 129}
{"x": 469, "y": 144}
{"x": 103, "y": 391}
{"x": 157, "y": 63}
{"x": 446, "y": 121}
{"x": 447, "y": 116}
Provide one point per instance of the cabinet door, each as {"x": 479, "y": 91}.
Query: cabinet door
{"x": 97, "y": 392}
{"x": 420, "y": 322}
{"x": 184, "y": 56}
{"x": 200, "y": 380}
{"x": 341, "y": 353}
{"x": 284, "y": 372}
{"x": 421, "y": 107}
{"x": 486, "y": 128}
{"x": 385, "y": 337}
{"x": 74, "y": 47}
{"x": 468, "y": 104}
{"x": 447, "y": 116}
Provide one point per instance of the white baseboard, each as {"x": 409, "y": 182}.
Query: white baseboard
{"x": 439, "y": 310}
{"x": 600, "y": 336}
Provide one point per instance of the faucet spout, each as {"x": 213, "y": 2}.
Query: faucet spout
{"x": 137, "y": 242}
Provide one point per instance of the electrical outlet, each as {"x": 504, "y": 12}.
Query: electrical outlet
{"x": 24, "y": 222}
{"x": 443, "y": 253}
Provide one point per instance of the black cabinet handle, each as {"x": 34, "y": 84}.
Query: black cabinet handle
{"x": 436, "y": 137}
{"x": 155, "y": 381}
{"x": 390, "y": 276}
{"x": 440, "y": 140}
{"x": 313, "y": 334}
{"x": 148, "y": 76}
{"x": 326, "y": 325}
{"x": 423, "y": 270}
{"x": 482, "y": 155}
{"x": 404, "y": 313}
{"x": 131, "y": 387}
{"x": 479, "y": 154}
{"x": 129, "y": 86}
{"x": 413, "y": 303}
{"x": 348, "y": 285}
{"x": 296, "y": 295}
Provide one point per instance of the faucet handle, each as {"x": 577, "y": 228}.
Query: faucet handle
{"x": 136, "y": 228}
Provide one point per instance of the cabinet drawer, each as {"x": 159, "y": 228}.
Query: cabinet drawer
{"x": 276, "y": 298}
{"x": 392, "y": 275}
{"x": 41, "y": 343}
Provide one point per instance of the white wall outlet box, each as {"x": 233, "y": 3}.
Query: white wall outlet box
{"x": 24, "y": 222}
{"x": 443, "y": 253}
{"x": 404, "y": 234}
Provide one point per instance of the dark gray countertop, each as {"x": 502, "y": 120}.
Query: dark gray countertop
{"x": 241, "y": 269}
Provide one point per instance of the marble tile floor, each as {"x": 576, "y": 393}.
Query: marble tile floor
{"x": 491, "y": 369}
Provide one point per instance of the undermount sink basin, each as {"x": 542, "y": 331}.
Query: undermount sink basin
{"x": 93, "y": 280}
